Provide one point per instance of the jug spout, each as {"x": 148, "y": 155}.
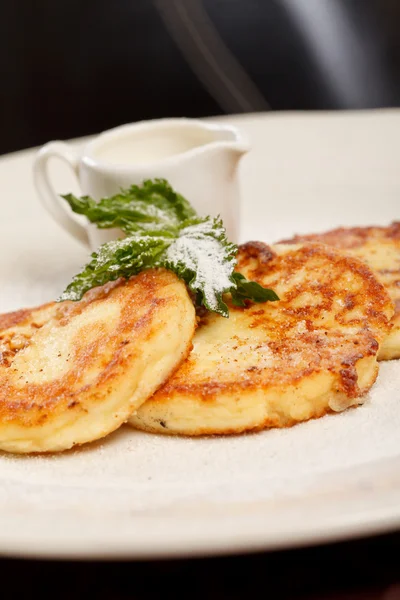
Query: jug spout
{"x": 226, "y": 152}
{"x": 230, "y": 138}
{"x": 209, "y": 177}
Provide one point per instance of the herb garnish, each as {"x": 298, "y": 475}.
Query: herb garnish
{"x": 163, "y": 230}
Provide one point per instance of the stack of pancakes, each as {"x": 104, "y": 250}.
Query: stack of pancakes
{"x": 135, "y": 351}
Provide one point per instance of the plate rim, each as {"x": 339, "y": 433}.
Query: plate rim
{"x": 379, "y": 520}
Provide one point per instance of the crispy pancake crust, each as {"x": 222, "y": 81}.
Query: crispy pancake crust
{"x": 279, "y": 363}
{"x": 379, "y": 247}
{"x": 72, "y": 372}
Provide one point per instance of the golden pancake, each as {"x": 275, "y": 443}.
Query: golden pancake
{"x": 379, "y": 247}
{"x": 279, "y": 363}
{"x": 72, "y": 372}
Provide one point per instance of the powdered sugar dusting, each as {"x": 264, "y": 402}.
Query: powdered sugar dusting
{"x": 200, "y": 251}
{"x": 105, "y": 251}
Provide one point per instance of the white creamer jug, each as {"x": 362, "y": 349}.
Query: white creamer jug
{"x": 198, "y": 159}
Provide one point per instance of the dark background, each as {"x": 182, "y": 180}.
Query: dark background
{"x": 357, "y": 570}
{"x": 75, "y": 67}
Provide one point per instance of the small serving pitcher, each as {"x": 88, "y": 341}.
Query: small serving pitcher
{"x": 198, "y": 159}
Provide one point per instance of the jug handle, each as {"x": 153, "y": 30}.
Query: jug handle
{"x": 50, "y": 199}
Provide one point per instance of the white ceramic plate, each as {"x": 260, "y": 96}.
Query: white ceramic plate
{"x": 138, "y": 495}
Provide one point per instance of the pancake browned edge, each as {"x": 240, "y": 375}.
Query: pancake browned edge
{"x": 379, "y": 247}
{"x": 279, "y": 363}
{"x": 72, "y": 372}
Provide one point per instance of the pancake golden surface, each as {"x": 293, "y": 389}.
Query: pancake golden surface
{"x": 279, "y": 363}
{"x": 72, "y": 372}
{"x": 379, "y": 247}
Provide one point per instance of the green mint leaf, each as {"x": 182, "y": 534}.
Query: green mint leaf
{"x": 115, "y": 259}
{"x": 250, "y": 290}
{"x": 152, "y": 207}
{"x": 163, "y": 230}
